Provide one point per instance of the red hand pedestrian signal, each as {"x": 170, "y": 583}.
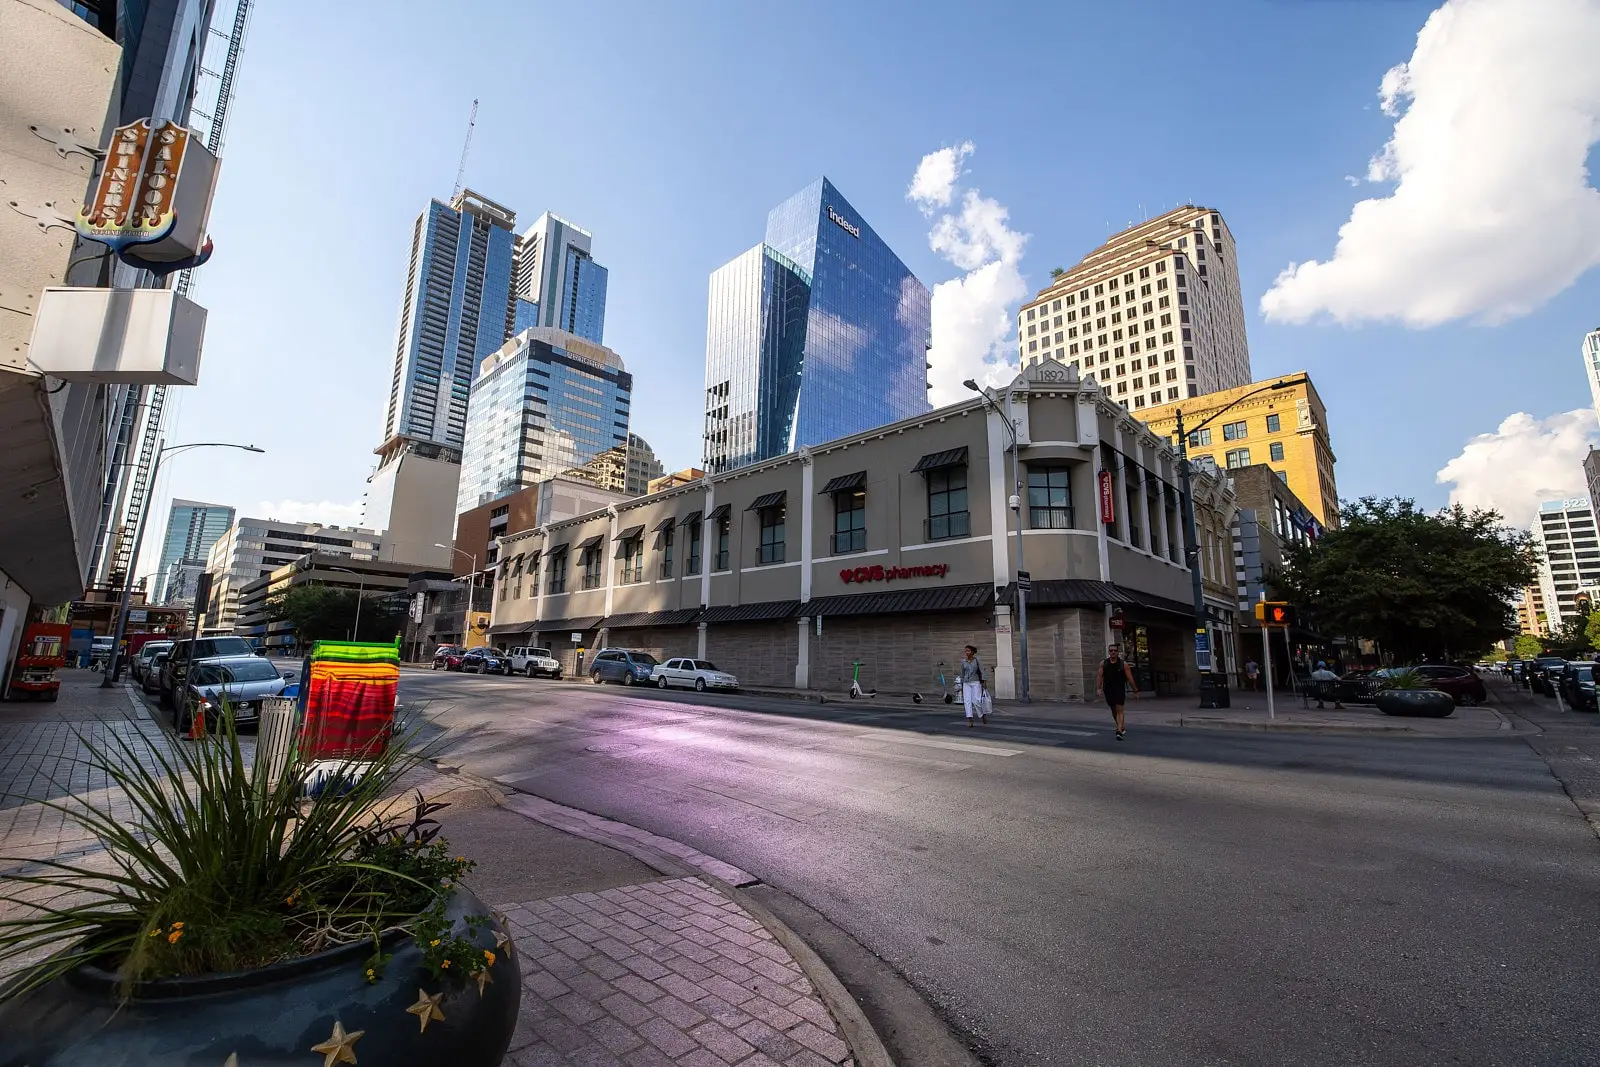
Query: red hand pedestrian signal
{"x": 1275, "y": 613}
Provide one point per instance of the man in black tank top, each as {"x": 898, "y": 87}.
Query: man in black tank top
{"x": 1115, "y": 680}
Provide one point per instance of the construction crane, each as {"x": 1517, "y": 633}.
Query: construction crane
{"x": 461, "y": 171}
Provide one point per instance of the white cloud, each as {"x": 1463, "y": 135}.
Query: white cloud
{"x": 935, "y": 180}
{"x": 1493, "y": 213}
{"x": 1522, "y": 464}
{"x": 325, "y": 512}
{"x": 972, "y": 315}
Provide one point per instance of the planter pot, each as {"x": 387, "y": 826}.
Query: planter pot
{"x": 274, "y": 1015}
{"x": 1425, "y": 703}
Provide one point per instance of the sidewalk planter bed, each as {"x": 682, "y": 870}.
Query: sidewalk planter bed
{"x": 231, "y": 922}
{"x": 1405, "y": 692}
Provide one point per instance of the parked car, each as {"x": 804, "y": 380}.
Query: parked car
{"x": 533, "y": 662}
{"x": 448, "y": 657}
{"x": 1577, "y": 686}
{"x": 1542, "y": 674}
{"x": 1460, "y": 682}
{"x": 621, "y": 665}
{"x": 177, "y": 665}
{"x": 481, "y": 661}
{"x": 151, "y": 682}
{"x": 237, "y": 683}
{"x": 698, "y": 674}
{"x": 139, "y": 665}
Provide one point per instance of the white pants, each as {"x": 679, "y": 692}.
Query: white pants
{"x": 972, "y": 698}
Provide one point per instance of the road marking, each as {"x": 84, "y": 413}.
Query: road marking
{"x": 957, "y": 746}
{"x": 1048, "y": 731}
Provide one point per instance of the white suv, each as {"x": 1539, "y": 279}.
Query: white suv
{"x": 699, "y": 674}
{"x": 533, "y": 662}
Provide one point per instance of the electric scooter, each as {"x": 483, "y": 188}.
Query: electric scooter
{"x": 855, "y": 684}
{"x": 944, "y": 687}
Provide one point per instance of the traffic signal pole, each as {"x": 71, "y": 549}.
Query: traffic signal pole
{"x": 1266, "y": 657}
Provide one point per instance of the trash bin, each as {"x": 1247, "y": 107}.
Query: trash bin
{"x": 274, "y": 742}
{"x": 1213, "y": 691}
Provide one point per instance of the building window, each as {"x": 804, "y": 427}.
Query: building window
{"x": 666, "y": 552}
{"x": 947, "y": 504}
{"x": 1138, "y": 401}
{"x": 849, "y": 522}
{"x": 632, "y": 560}
{"x": 1274, "y": 424}
{"x": 1200, "y": 438}
{"x": 1235, "y": 431}
{"x": 723, "y": 526}
{"x": 771, "y": 535}
{"x": 558, "y": 573}
{"x": 590, "y": 564}
{"x": 1275, "y": 451}
{"x": 694, "y": 548}
{"x": 1238, "y": 457}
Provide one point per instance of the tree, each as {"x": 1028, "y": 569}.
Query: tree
{"x": 1056, "y": 272}
{"x": 1528, "y": 646}
{"x": 1591, "y": 630}
{"x": 1572, "y": 639}
{"x": 1420, "y": 585}
{"x": 327, "y": 613}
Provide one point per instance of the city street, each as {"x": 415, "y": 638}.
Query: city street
{"x": 1186, "y": 896}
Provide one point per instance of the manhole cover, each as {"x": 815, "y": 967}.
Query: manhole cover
{"x": 613, "y": 747}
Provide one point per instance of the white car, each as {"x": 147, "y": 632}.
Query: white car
{"x": 697, "y": 674}
{"x": 533, "y": 662}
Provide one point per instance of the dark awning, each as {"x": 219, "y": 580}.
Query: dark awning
{"x": 770, "y": 609}
{"x": 554, "y": 626}
{"x": 691, "y": 518}
{"x": 1069, "y": 593}
{"x": 589, "y": 542}
{"x": 1160, "y": 603}
{"x": 950, "y": 457}
{"x": 844, "y": 482}
{"x": 899, "y": 601}
{"x": 767, "y": 500}
{"x": 720, "y": 512}
{"x": 664, "y": 524}
{"x": 631, "y": 532}
{"x": 559, "y": 550}
{"x": 510, "y": 628}
{"x": 679, "y": 617}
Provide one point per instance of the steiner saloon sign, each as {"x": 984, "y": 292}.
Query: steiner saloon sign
{"x": 890, "y": 574}
{"x": 152, "y": 199}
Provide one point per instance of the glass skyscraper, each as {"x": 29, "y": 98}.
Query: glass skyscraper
{"x": 192, "y": 528}
{"x": 547, "y": 402}
{"x": 817, "y": 333}
{"x": 558, "y": 282}
{"x": 457, "y": 310}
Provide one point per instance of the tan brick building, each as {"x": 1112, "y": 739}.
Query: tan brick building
{"x": 894, "y": 548}
{"x": 1285, "y": 429}
{"x": 1531, "y": 618}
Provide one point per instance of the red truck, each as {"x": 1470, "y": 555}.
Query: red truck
{"x": 42, "y": 653}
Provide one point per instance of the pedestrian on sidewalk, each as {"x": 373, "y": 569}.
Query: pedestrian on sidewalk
{"x": 1115, "y": 679}
{"x": 1252, "y": 672}
{"x": 1325, "y": 681}
{"x": 972, "y": 689}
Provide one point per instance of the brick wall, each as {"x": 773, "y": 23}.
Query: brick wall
{"x": 662, "y": 642}
{"x": 899, "y": 654}
{"x": 1064, "y": 650}
{"x": 756, "y": 653}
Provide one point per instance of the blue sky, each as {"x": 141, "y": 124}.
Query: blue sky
{"x": 669, "y": 130}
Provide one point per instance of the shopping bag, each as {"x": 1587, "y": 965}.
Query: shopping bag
{"x": 986, "y": 704}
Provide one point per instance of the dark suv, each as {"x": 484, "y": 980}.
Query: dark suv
{"x": 482, "y": 661}
{"x": 621, "y": 665}
{"x": 176, "y": 668}
{"x": 1576, "y": 683}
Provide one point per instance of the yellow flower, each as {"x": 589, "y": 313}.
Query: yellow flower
{"x": 434, "y": 943}
{"x": 177, "y": 926}
{"x": 370, "y": 975}
{"x": 155, "y": 933}
{"x": 445, "y": 965}
{"x": 172, "y": 938}
{"x": 489, "y": 956}
{"x": 461, "y": 859}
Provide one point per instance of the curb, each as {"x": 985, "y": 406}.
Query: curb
{"x": 677, "y": 860}
{"x": 1289, "y": 727}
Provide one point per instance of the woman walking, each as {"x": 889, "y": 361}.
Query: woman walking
{"x": 972, "y": 686}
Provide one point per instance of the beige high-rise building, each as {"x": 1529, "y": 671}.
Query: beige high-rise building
{"x": 1530, "y": 613}
{"x": 1154, "y": 314}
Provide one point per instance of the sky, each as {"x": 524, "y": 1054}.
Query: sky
{"x": 1409, "y": 185}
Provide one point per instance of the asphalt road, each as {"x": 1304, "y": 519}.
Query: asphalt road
{"x": 1184, "y": 897}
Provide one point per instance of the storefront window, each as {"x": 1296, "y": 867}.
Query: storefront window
{"x": 666, "y": 552}
{"x": 849, "y": 522}
{"x": 947, "y": 504}
{"x": 1049, "y": 497}
{"x": 771, "y": 535}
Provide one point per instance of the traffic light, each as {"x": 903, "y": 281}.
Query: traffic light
{"x": 1275, "y": 613}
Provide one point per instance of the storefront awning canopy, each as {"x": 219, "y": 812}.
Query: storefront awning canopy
{"x": 589, "y": 542}
{"x": 562, "y": 626}
{"x": 510, "y": 628}
{"x": 770, "y": 609}
{"x": 979, "y": 596}
{"x": 768, "y": 500}
{"x": 950, "y": 457}
{"x": 720, "y": 512}
{"x": 665, "y": 523}
{"x": 844, "y": 483}
{"x": 1069, "y": 593}
{"x": 691, "y": 518}
{"x": 680, "y": 617}
{"x": 631, "y": 532}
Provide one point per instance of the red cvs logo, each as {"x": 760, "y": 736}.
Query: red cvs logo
{"x": 889, "y": 574}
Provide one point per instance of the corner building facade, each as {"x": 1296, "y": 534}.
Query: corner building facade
{"x": 818, "y": 332}
{"x": 893, "y": 547}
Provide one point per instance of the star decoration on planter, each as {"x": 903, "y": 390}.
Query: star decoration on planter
{"x": 483, "y": 980}
{"x": 340, "y": 1046}
{"x": 501, "y": 941}
{"x": 426, "y": 1009}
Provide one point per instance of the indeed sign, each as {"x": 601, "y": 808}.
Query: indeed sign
{"x": 852, "y": 230}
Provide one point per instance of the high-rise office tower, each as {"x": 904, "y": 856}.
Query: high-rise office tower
{"x": 1591, "y": 365}
{"x": 1566, "y": 536}
{"x": 817, "y": 333}
{"x": 454, "y": 314}
{"x": 558, "y": 283}
{"x": 546, "y": 402}
{"x": 192, "y": 528}
{"x": 1154, "y": 314}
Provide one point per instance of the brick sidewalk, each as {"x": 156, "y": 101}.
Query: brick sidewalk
{"x": 662, "y": 973}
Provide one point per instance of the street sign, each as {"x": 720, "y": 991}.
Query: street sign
{"x": 138, "y": 615}
{"x": 577, "y": 639}
{"x": 1117, "y": 621}
{"x": 1024, "y": 580}
{"x": 1202, "y": 650}
{"x": 417, "y": 603}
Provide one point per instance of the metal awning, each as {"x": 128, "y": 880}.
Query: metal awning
{"x": 844, "y": 482}
{"x": 578, "y": 624}
{"x": 631, "y": 532}
{"x": 559, "y": 550}
{"x": 664, "y": 524}
{"x": 902, "y": 601}
{"x": 510, "y": 628}
{"x": 768, "y": 500}
{"x": 720, "y": 512}
{"x": 691, "y": 519}
{"x": 678, "y": 617}
{"x": 1069, "y": 593}
{"x": 770, "y": 609}
{"x": 589, "y": 542}
{"x": 950, "y": 457}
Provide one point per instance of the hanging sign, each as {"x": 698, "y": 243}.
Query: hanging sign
{"x": 153, "y": 196}
{"x": 1108, "y": 499}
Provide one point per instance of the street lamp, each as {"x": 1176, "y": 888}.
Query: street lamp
{"x": 110, "y": 677}
{"x": 1016, "y": 506}
{"x": 361, "y": 589}
{"x": 1191, "y": 535}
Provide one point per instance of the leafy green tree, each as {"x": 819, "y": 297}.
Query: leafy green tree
{"x": 328, "y": 613}
{"x": 1591, "y": 630}
{"x": 1419, "y": 584}
{"x": 1572, "y": 639}
{"x": 1528, "y": 646}
{"x": 1056, "y": 272}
